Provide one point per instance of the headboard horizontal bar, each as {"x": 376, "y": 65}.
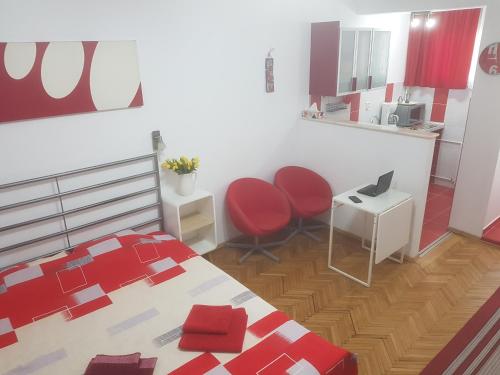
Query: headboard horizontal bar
{"x": 76, "y": 210}
{"x": 76, "y": 191}
{"x": 77, "y": 171}
{"x": 72, "y": 235}
{"x": 80, "y": 227}
{"x": 146, "y": 223}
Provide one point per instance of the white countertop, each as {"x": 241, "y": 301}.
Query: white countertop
{"x": 420, "y": 133}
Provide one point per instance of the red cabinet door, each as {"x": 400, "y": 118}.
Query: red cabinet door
{"x": 325, "y": 41}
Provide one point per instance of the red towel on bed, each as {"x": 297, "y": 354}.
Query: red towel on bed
{"x": 208, "y": 319}
{"x": 231, "y": 342}
{"x": 130, "y": 364}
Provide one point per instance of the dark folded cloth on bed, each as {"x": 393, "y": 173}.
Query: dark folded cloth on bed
{"x": 208, "y": 319}
{"x": 130, "y": 364}
{"x": 231, "y": 342}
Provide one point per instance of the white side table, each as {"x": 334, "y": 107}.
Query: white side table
{"x": 391, "y": 212}
{"x": 191, "y": 219}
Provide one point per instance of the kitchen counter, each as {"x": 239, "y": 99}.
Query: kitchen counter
{"x": 419, "y": 132}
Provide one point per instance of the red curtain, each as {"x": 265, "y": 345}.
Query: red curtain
{"x": 441, "y": 56}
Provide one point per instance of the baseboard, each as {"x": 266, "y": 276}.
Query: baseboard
{"x": 434, "y": 244}
{"x": 490, "y": 225}
{"x": 462, "y": 233}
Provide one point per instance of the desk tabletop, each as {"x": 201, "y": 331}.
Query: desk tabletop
{"x": 374, "y": 205}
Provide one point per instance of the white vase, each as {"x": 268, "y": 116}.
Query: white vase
{"x": 186, "y": 184}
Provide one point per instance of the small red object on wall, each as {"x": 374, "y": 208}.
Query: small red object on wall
{"x": 490, "y": 59}
{"x": 269, "y": 73}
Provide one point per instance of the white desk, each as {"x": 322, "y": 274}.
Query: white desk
{"x": 392, "y": 212}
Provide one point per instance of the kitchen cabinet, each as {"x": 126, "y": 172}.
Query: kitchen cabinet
{"x": 379, "y": 58}
{"x": 346, "y": 60}
{"x": 362, "y": 67}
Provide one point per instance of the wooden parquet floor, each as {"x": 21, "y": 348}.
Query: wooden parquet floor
{"x": 399, "y": 324}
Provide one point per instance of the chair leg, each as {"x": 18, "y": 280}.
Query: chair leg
{"x": 305, "y": 230}
{"x": 248, "y": 253}
{"x": 268, "y": 254}
{"x": 257, "y": 246}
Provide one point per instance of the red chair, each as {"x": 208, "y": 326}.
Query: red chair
{"x": 309, "y": 195}
{"x": 257, "y": 209}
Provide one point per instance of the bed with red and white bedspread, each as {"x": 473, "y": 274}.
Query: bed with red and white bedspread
{"x": 131, "y": 293}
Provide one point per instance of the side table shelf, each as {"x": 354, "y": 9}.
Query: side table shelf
{"x": 191, "y": 219}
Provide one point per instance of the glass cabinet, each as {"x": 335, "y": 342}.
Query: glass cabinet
{"x": 346, "y": 60}
{"x": 364, "y": 59}
{"x": 380, "y": 58}
{"x": 346, "y": 63}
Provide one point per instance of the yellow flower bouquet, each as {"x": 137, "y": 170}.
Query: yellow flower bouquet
{"x": 183, "y": 165}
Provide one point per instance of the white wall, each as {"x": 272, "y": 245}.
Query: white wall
{"x": 202, "y": 70}
{"x": 482, "y": 138}
{"x": 493, "y": 211}
{"x": 349, "y": 156}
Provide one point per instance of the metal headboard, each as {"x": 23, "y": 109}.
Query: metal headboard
{"x": 63, "y": 214}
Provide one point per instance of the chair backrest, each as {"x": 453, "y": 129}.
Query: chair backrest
{"x": 248, "y": 197}
{"x": 299, "y": 181}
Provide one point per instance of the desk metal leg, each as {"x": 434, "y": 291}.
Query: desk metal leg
{"x": 331, "y": 236}
{"x": 401, "y": 256}
{"x": 372, "y": 251}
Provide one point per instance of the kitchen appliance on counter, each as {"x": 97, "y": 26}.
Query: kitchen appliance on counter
{"x": 402, "y": 114}
{"x": 410, "y": 114}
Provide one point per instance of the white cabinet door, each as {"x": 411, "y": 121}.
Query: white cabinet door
{"x": 380, "y": 58}
{"x": 363, "y": 47}
{"x": 364, "y": 59}
{"x": 347, "y": 60}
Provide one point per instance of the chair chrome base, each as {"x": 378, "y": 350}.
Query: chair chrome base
{"x": 257, "y": 247}
{"x": 305, "y": 230}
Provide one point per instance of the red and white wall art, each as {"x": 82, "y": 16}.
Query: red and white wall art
{"x": 58, "y": 78}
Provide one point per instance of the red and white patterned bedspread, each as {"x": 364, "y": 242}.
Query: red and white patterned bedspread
{"x": 131, "y": 293}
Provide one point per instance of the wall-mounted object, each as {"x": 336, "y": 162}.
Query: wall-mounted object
{"x": 269, "y": 72}
{"x": 45, "y": 79}
{"x": 158, "y": 143}
{"x": 347, "y": 60}
{"x": 490, "y": 59}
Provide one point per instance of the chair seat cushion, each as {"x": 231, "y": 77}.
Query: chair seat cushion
{"x": 307, "y": 207}
{"x": 270, "y": 222}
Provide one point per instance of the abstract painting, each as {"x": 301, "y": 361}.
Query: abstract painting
{"x": 45, "y": 79}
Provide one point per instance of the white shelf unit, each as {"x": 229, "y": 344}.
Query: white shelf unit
{"x": 191, "y": 219}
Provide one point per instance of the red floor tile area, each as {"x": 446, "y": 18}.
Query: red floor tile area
{"x": 492, "y": 233}
{"x": 437, "y": 214}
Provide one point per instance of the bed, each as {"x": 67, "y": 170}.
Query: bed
{"x": 130, "y": 292}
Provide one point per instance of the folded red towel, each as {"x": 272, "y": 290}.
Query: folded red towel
{"x": 130, "y": 364}
{"x": 232, "y": 342}
{"x": 208, "y": 319}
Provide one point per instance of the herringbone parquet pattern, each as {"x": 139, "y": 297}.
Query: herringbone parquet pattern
{"x": 399, "y": 324}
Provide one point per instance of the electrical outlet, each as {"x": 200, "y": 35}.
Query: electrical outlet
{"x": 368, "y": 106}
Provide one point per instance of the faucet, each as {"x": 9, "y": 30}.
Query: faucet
{"x": 407, "y": 95}
{"x": 393, "y": 119}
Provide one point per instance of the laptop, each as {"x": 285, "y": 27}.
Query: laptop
{"x": 383, "y": 184}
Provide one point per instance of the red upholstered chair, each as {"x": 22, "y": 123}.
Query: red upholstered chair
{"x": 257, "y": 209}
{"x": 309, "y": 195}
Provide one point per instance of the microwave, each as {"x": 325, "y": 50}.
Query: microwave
{"x": 410, "y": 114}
